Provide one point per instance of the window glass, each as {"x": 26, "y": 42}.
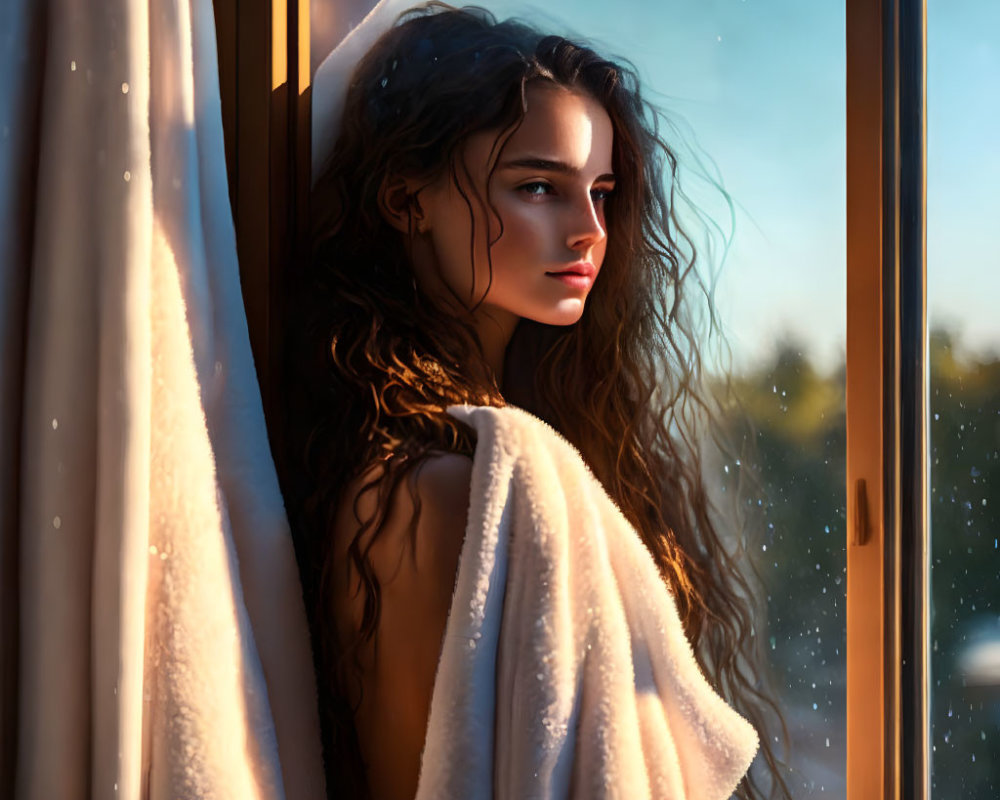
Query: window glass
{"x": 754, "y": 96}
{"x": 963, "y": 242}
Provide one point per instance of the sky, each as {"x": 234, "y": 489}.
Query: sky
{"x": 755, "y": 92}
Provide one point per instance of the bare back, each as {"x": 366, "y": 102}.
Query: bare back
{"x": 416, "y": 572}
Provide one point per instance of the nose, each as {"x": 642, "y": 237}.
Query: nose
{"x": 586, "y": 227}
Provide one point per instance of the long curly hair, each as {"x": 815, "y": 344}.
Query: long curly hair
{"x": 376, "y": 363}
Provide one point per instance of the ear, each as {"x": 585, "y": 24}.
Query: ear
{"x": 400, "y": 205}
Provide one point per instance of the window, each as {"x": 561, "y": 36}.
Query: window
{"x": 963, "y": 167}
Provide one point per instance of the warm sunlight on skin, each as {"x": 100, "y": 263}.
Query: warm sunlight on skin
{"x": 549, "y": 189}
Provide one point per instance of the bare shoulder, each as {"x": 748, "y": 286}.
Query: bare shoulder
{"x": 442, "y": 484}
{"x": 425, "y": 517}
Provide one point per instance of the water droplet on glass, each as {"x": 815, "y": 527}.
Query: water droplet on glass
{"x": 127, "y": 176}
{"x": 124, "y": 88}
{"x": 72, "y": 66}
{"x": 384, "y": 82}
{"x": 152, "y": 549}
{"x": 55, "y": 423}
{"x": 56, "y": 523}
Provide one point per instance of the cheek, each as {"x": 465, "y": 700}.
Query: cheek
{"x": 457, "y": 243}
{"x": 524, "y": 233}
{"x": 600, "y": 252}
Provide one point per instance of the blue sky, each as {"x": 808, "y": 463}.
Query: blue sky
{"x": 963, "y": 168}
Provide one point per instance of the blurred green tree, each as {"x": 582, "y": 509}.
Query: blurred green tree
{"x": 790, "y": 418}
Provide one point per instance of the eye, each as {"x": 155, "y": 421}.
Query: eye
{"x": 601, "y": 194}
{"x": 536, "y": 188}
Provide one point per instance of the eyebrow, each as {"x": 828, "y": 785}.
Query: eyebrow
{"x": 547, "y": 165}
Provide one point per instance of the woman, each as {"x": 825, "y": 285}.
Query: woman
{"x": 492, "y": 229}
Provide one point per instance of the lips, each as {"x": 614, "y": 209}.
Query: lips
{"x": 582, "y": 268}
{"x": 577, "y": 276}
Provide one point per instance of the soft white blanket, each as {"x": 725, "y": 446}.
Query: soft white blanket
{"x": 564, "y": 669}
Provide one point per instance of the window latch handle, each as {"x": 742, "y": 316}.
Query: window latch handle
{"x": 862, "y": 529}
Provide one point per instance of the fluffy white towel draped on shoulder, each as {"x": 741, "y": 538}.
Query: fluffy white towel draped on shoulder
{"x": 564, "y": 671}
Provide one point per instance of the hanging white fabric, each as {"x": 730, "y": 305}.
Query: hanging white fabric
{"x": 160, "y": 643}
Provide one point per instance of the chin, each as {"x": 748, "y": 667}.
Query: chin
{"x": 567, "y": 313}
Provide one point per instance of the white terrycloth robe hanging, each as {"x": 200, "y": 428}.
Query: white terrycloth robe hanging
{"x": 564, "y": 670}
{"x": 154, "y": 636}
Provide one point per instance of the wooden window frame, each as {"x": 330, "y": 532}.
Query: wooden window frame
{"x": 888, "y": 541}
{"x": 265, "y": 83}
{"x": 264, "y": 50}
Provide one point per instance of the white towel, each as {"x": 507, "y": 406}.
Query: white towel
{"x": 161, "y": 640}
{"x": 564, "y": 669}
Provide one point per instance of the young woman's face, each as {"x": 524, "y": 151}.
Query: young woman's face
{"x": 547, "y": 219}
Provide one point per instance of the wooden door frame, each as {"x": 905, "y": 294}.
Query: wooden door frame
{"x": 265, "y": 83}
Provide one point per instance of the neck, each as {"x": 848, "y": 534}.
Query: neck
{"x": 495, "y": 328}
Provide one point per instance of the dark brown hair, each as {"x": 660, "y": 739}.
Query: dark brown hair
{"x": 380, "y": 362}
